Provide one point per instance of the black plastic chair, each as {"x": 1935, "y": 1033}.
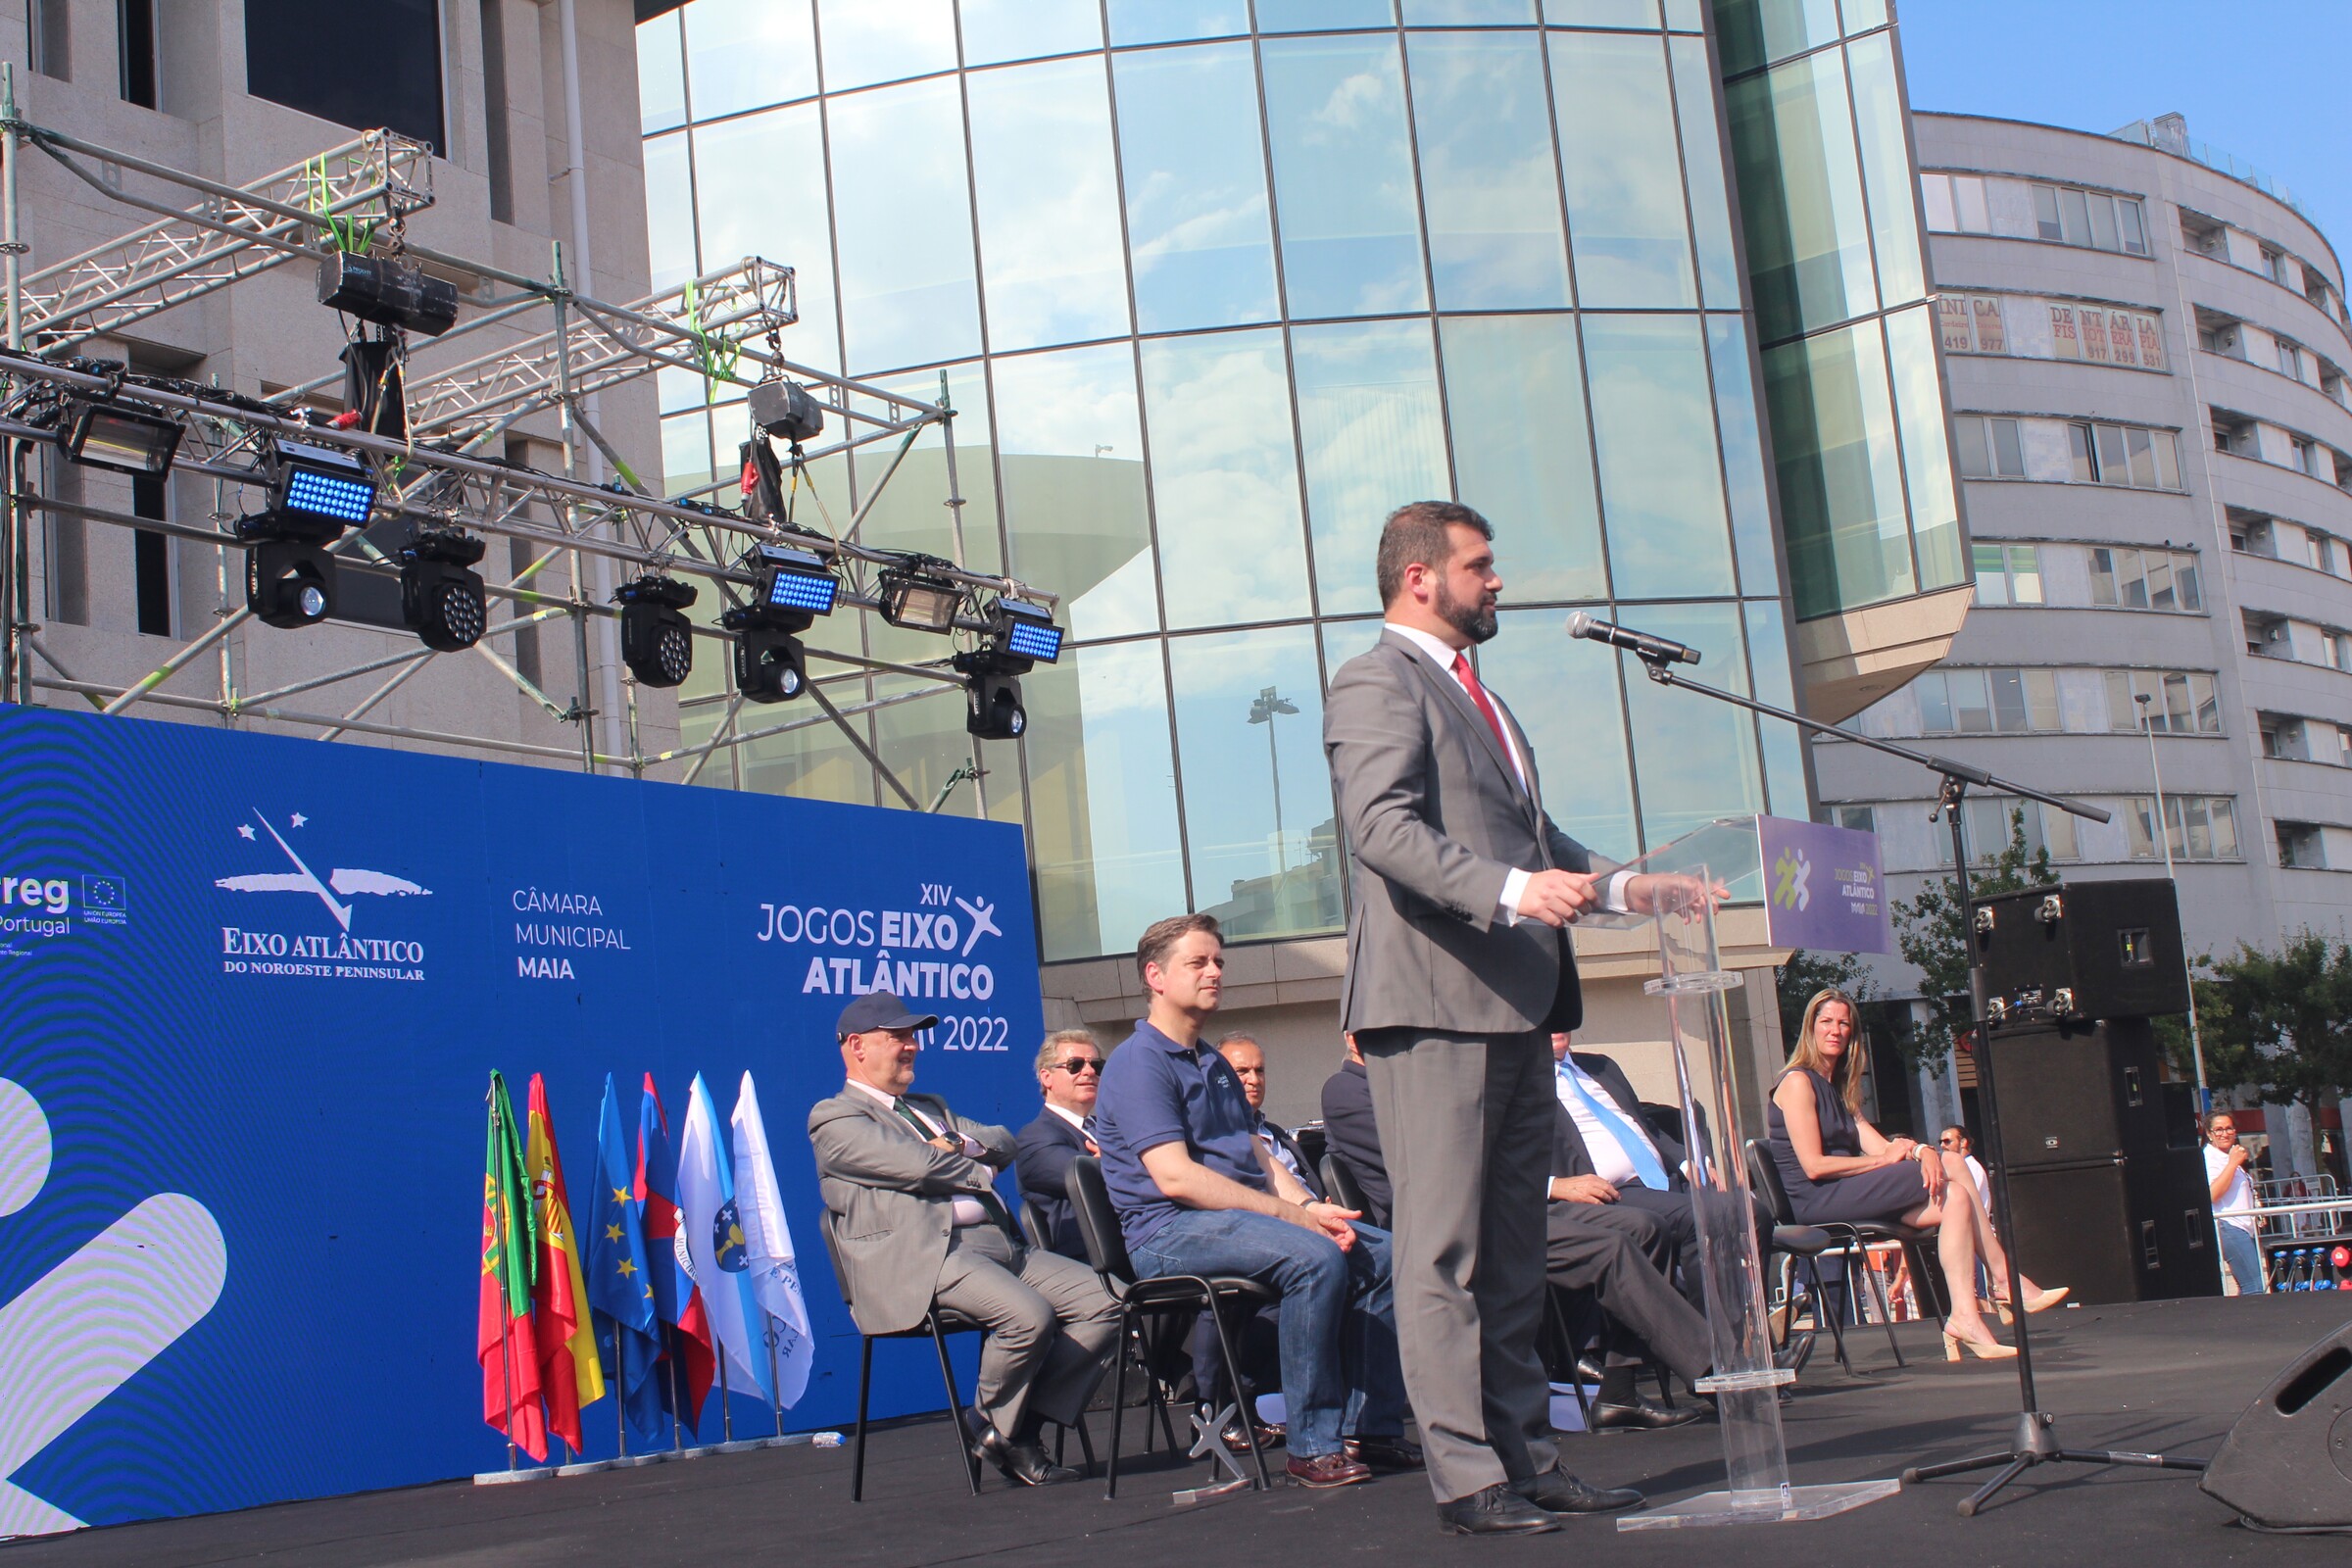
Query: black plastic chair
{"x": 1160, "y": 1295}
{"x": 1847, "y": 1238}
{"x": 1340, "y": 1182}
{"x": 936, "y": 1326}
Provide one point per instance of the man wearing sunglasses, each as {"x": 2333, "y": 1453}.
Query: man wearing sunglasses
{"x": 1069, "y": 1071}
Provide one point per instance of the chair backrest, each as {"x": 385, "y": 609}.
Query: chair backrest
{"x": 1341, "y": 1183}
{"x": 1034, "y": 1228}
{"x": 840, "y": 1275}
{"x": 1312, "y": 1142}
{"x": 1098, "y": 1220}
{"x": 1764, "y": 1180}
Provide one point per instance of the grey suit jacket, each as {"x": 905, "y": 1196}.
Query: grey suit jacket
{"x": 1436, "y": 821}
{"x": 892, "y": 1197}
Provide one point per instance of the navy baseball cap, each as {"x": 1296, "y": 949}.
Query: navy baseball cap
{"x": 879, "y": 1010}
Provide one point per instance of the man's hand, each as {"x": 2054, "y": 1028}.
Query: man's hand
{"x": 1556, "y": 898}
{"x": 1582, "y": 1190}
{"x": 1325, "y": 1219}
{"x": 1672, "y": 893}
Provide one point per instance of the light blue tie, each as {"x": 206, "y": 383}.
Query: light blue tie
{"x": 1638, "y": 1149}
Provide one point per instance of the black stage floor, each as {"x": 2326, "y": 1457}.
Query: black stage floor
{"x": 2162, "y": 1377}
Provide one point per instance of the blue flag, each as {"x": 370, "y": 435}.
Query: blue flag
{"x": 619, "y": 1285}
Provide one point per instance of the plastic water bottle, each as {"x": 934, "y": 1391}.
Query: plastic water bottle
{"x": 2298, "y": 1269}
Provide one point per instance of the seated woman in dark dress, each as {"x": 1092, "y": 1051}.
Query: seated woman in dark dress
{"x": 1840, "y": 1168}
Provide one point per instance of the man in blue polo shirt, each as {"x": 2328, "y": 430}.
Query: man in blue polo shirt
{"x": 1197, "y": 1194}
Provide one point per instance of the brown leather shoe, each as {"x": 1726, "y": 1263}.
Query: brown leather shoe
{"x": 1385, "y": 1455}
{"x": 1328, "y": 1470}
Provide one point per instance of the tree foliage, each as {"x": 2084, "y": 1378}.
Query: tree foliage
{"x": 1795, "y": 982}
{"x": 1929, "y": 936}
{"x": 2280, "y": 1022}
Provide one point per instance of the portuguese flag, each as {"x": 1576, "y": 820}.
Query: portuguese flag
{"x": 570, "y": 1375}
{"x": 503, "y": 1340}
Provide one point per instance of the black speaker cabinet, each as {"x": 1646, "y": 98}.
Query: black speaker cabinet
{"x": 2116, "y": 1230}
{"x": 2083, "y": 950}
{"x": 2071, "y": 1093}
{"x": 2287, "y": 1463}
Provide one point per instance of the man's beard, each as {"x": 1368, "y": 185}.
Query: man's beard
{"x": 1475, "y": 620}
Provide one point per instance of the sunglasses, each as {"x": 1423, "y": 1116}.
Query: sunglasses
{"x": 1074, "y": 1065}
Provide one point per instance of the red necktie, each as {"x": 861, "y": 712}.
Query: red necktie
{"x": 1478, "y": 695}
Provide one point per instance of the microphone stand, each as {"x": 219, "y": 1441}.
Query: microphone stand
{"x": 2034, "y": 1440}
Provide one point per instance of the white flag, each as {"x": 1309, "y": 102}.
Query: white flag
{"x": 711, "y": 1228}
{"x": 776, "y": 1272}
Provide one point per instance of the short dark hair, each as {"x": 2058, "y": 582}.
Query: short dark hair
{"x": 1415, "y": 536}
{"x": 1161, "y": 935}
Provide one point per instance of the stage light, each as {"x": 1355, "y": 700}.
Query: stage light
{"x": 315, "y": 493}
{"x": 786, "y": 412}
{"x": 441, "y": 597}
{"x": 769, "y": 664}
{"x": 289, "y": 582}
{"x": 917, "y": 600}
{"x": 1025, "y": 630}
{"x": 118, "y": 436}
{"x": 381, "y": 290}
{"x": 992, "y": 690}
{"x": 795, "y": 587}
{"x": 657, "y": 640}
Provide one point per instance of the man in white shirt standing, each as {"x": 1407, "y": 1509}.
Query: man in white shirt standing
{"x": 2234, "y": 1203}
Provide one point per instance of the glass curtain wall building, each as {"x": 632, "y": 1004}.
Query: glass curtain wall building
{"x": 1212, "y": 291}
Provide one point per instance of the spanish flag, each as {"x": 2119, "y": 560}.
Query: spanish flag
{"x": 570, "y": 1375}
{"x": 503, "y": 1341}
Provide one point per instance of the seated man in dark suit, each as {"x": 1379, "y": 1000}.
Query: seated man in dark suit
{"x": 1249, "y": 1061}
{"x": 1350, "y": 1133}
{"x": 1070, "y": 1070}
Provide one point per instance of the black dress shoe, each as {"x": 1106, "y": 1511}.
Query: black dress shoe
{"x": 1555, "y": 1491}
{"x": 1495, "y": 1511}
{"x": 1641, "y": 1415}
{"x": 1023, "y": 1464}
{"x": 1791, "y": 1357}
{"x": 1385, "y": 1455}
{"x": 1589, "y": 1370}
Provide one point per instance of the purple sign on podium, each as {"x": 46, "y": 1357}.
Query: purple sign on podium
{"x": 1822, "y": 887}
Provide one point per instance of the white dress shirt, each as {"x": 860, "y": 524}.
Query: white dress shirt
{"x": 2236, "y": 1204}
{"x": 1515, "y": 885}
{"x": 966, "y": 1210}
{"x": 1610, "y": 1162}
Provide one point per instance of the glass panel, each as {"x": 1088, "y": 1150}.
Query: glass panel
{"x": 2103, "y": 222}
{"x": 2086, "y": 466}
{"x": 1784, "y": 748}
{"x": 669, "y": 211}
{"x": 1863, "y": 15}
{"x": 1743, "y": 435}
{"x": 1976, "y": 463}
{"x": 1755, "y": 32}
{"x": 867, "y": 41}
{"x": 661, "y": 76}
{"x": 2143, "y": 457}
{"x": 2185, "y": 577}
{"x": 908, "y": 512}
{"x": 2159, "y": 581}
{"x": 2121, "y": 713}
{"x": 1685, "y": 16}
{"x": 1225, "y": 479}
{"x": 1661, "y": 491}
{"x": 1934, "y": 501}
{"x": 1071, "y": 449}
{"x": 1601, "y": 13}
{"x": 1316, "y": 16}
{"x": 1102, "y": 821}
{"x": 816, "y": 762}
{"x": 997, "y": 31}
{"x": 2009, "y": 700}
{"x": 1968, "y": 190}
{"x": 1936, "y": 192}
{"x": 2179, "y": 713}
{"x": 1343, "y": 177}
{"x": 1971, "y": 709}
{"x": 1840, "y": 485}
{"x": 904, "y": 225}
{"x": 747, "y": 54}
{"x": 1574, "y": 728}
{"x": 2041, "y": 701}
{"x": 1487, "y": 171}
{"x": 1887, "y": 169}
{"x": 1049, "y": 201}
{"x": 1167, "y": 20}
{"x": 1195, "y": 170}
{"x": 923, "y": 741}
{"x": 1934, "y": 704}
{"x": 1703, "y": 164}
{"x": 2113, "y": 467}
{"x": 1992, "y": 582}
{"x": 2008, "y": 457}
{"x": 2136, "y": 231}
{"x": 1532, "y": 479}
{"x": 2046, "y": 212}
{"x": 1373, "y": 437}
{"x": 1801, "y": 191}
{"x": 685, "y": 453}
{"x": 2074, "y": 212}
{"x": 1470, "y": 12}
{"x": 2224, "y": 829}
{"x": 1264, "y": 839}
{"x": 2025, "y": 573}
{"x": 760, "y": 180}
{"x": 1670, "y": 729}
{"x": 1625, "y": 193}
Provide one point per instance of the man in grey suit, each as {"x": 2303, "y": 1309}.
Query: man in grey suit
{"x": 909, "y": 1187}
{"x": 1458, "y": 968}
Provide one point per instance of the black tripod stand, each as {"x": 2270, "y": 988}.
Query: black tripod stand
{"x": 2034, "y": 1441}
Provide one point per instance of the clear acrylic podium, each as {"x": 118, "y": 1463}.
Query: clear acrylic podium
{"x": 1692, "y": 983}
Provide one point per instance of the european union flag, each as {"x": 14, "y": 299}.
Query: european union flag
{"x": 619, "y": 1285}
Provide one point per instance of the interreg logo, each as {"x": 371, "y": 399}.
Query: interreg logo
{"x": 35, "y": 906}
{"x": 338, "y": 955}
{"x": 886, "y": 948}
{"x": 1791, "y": 880}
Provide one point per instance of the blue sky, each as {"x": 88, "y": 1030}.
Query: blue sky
{"x": 2261, "y": 79}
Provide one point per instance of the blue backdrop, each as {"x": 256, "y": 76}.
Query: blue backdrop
{"x": 272, "y": 976}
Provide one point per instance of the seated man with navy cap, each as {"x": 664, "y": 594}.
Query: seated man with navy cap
{"x": 910, "y": 1187}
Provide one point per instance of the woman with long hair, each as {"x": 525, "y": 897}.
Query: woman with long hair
{"x": 1839, "y": 1168}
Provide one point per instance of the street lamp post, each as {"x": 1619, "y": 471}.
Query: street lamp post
{"x": 1269, "y": 703}
{"x": 2164, "y": 836}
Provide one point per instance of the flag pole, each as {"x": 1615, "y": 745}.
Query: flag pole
{"x": 506, "y": 1370}
{"x": 774, "y": 1401}
{"x": 726, "y": 1411}
{"x": 677, "y": 1399}
{"x": 620, "y": 1387}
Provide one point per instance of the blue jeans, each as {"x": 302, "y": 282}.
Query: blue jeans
{"x": 1340, "y": 1373}
{"x": 2243, "y": 1255}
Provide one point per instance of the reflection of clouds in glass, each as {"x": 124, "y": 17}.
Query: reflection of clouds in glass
{"x": 1661, "y": 494}
{"x": 762, "y": 182}
{"x": 746, "y": 54}
{"x": 1672, "y": 729}
{"x": 1069, "y": 441}
{"x": 868, "y": 41}
{"x": 1625, "y": 182}
{"x": 903, "y": 222}
{"x": 1049, "y": 204}
{"x": 1197, "y": 210}
{"x": 661, "y": 75}
{"x": 997, "y": 30}
{"x": 1343, "y": 174}
{"x": 1373, "y": 438}
{"x": 1166, "y": 21}
{"x": 1533, "y": 478}
{"x": 669, "y": 211}
{"x": 1225, "y": 483}
{"x": 1564, "y": 695}
{"x": 912, "y": 513}
{"x": 1487, "y": 171}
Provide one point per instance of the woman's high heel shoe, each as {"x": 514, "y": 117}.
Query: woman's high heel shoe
{"x": 1978, "y": 1349}
{"x": 2042, "y": 1301}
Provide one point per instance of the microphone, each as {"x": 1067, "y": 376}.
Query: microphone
{"x": 1640, "y": 644}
